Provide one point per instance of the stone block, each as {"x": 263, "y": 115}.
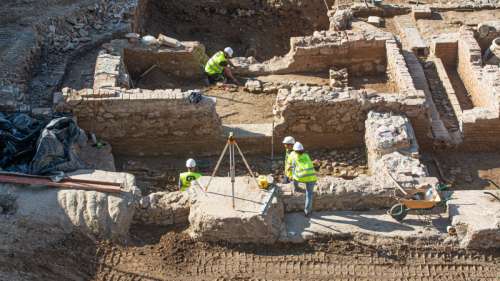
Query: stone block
{"x": 169, "y": 41}
{"x": 421, "y": 12}
{"x": 212, "y": 217}
{"x": 476, "y": 218}
{"x": 333, "y": 193}
{"x": 163, "y": 208}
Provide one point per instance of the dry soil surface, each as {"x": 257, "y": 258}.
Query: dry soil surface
{"x": 451, "y": 21}
{"x": 168, "y": 254}
{"x": 468, "y": 170}
{"x": 172, "y": 256}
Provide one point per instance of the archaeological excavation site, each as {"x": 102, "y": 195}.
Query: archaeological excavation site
{"x": 249, "y": 140}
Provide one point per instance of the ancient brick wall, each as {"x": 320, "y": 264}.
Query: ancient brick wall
{"x": 445, "y": 47}
{"x": 396, "y": 67}
{"x": 469, "y": 68}
{"x": 321, "y": 116}
{"x": 362, "y": 53}
{"x": 138, "y": 122}
{"x": 183, "y": 63}
{"x": 481, "y": 130}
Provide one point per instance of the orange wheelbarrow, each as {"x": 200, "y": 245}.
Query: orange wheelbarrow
{"x": 417, "y": 199}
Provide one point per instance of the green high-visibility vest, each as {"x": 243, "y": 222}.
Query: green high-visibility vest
{"x": 303, "y": 168}
{"x": 289, "y": 155}
{"x": 213, "y": 66}
{"x": 186, "y": 178}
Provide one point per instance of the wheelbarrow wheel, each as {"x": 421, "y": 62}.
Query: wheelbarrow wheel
{"x": 398, "y": 212}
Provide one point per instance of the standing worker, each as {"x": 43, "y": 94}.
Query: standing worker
{"x": 288, "y": 142}
{"x": 303, "y": 173}
{"x": 217, "y": 69}
{"x": 186, "y": 178}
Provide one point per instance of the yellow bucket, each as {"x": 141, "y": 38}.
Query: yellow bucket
{"x": 263, "y": 182}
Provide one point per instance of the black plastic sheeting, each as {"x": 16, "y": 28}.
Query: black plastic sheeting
{"x": 31, "y": 146}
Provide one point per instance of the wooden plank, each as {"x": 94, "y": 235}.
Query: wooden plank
{"x": 42, "y": 181}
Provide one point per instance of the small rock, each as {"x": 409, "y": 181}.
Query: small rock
{"x": 253, "y": 86}
{"x": 375, "y": 21}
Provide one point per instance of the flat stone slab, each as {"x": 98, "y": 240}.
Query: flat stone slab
{"x": 212, "y": 217}
{"x": 476, "y": 217}
{"x": 375, "y": 226}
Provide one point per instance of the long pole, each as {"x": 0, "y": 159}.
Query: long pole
{"x": 272, "y": 148}
{"x": 232, "y": 169}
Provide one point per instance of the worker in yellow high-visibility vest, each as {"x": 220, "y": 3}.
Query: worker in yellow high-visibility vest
{"x": 186, "y": 178}
{"x": 288, "y": 143}
{"x": 217, "y": 67}
{"x": 303, "y": 174}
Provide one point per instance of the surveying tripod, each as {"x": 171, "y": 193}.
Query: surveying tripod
{"x": 231, "y": 144}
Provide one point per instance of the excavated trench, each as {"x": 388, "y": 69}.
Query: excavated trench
{"x": 253, "y": 28}
{"x": 261, "y": 29}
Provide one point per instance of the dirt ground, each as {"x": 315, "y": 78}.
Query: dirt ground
{"x": 466, "y": 170}
{"x": 451, "y": 21}
{"x": 235, "y": 106}
{"x": 168, "y": 254}
{"x": 173, "y": 256}
{"x": 155, "y": 174}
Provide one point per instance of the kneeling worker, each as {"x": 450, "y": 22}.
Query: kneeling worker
{"x": 217, "y": 69}
{"x": 303, "y": 173}
{"x": 288, "y": 142}
{"x": 186, "y": 178}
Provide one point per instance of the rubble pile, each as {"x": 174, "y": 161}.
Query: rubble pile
{"x": 339, "y": 78}
{"x": 340, "y": 19}
{"x": 393, "y": 151}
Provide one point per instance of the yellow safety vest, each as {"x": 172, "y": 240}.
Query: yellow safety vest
{"x": 289, "y": 155}
{"x": 186, "y": 178}
{"x": 303, "y": 168}
{"x": 213, "y": 66}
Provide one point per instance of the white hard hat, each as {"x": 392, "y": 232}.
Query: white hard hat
{"x": 190, "y": 163}
{"x": 288, "y": 140}
{"x": 229, "y": 51}
{"x": 298, "y": 147}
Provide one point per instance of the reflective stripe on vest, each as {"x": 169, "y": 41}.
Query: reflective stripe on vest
{"x": 289, "y": 155}
{"x": 186, "y": 179}
{"x": 213, "y": 65}
{"x": 303, "y": 169}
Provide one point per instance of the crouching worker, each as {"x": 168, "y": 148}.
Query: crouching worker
{"x": 186, "y": 178}
{"x": 217, "y": 67}
{"x": 303, "y": 174}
